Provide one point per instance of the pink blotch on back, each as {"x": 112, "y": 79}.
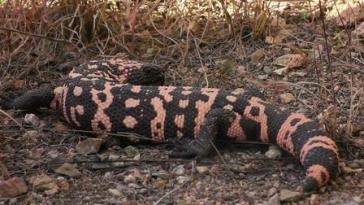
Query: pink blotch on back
{"x": 131, "y": 102}
{"x": 80, "y": 111}
{"x": 231, "y": 98}
{"x": 101, "y": 116}
{"x": 136, "y": 88}
{"x": 74, "y": 74}
{"x": 164, "y": 91}
{"x": 261, "y": 118}
{"x": 158, "y": 131}
{"x": 130, "y": 122}
{"x": 91, "y": 67}
{"x": 183, "y": 103}
{"x": 235, "y": 130}
{"x": 77, "y": 91}
{"x": 179, "y": 120}
{"x": 204, "y": 107}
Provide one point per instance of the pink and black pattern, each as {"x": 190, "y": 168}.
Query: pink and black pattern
{"x": 102, "y": 96}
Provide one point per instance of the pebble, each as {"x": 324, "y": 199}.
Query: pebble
{"x": 179, "y": 170}
{"x": 267, "y": 70}
{"x": 89, "y": 146}
{"x": 257, "y": 55}
{"x": 53, "y": 154}
{"x": 289, "y": 196}
{"x": 130, "y": 178}
{"x": 272, "y": 191}
{"x": 314, "y": 199}
{"x": 44, "y": 182}
{"x": 202, "y": 169}
{"x": 274, "y": 200}
{"x": 131, "y": 151}
{"x": 273, "y": 152}
{"x": 32, "y": 119}
{"x": 182, "y": 179}
{"x": 286, "y": 98}
{"x": 262, "y": 77}
{"x": 115, "y": 192}
{"x": 241, "y": 70}
{"x": 68, "y": 170}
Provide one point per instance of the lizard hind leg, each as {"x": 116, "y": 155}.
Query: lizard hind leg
{"x": 216, "y": 123}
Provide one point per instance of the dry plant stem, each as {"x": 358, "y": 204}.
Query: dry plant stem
{"x": 11, "y": 118}
{"x": 35, "y": 35}
{"x": 218, "y": 152}
{"x": 352, "y": 96}
{"x": 201, "y": 63}
{"x": 162, "y": 34}
{"x": 170, "y": 192}
{"x": 322, "y": 16}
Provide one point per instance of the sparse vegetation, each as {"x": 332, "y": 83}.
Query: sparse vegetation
{"x": 310, "y": 51}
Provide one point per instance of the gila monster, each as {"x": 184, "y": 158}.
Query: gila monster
{"x": 118, "y": 95}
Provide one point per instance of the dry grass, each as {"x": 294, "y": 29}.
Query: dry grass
{"x": 37, "y": 33}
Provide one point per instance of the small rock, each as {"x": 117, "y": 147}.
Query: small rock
{"x": 262, "y": 77}
{"x": 290, "y": 61}
{"x": 299, "y": 74}
{"x": 354, "y": 164}
{"x": 241, "y": 70}
{"x": 113, "y": 157}
{"x": 179, "y": 170}
{"x": 257, "y": 55}
{"x": 68, "y": 170}
{"x": 238, "y": 91}
{"x": 108, "y": 175}
{"x": 359, "y": 32}
{"x": 160, "y": 184}
{"x": 89, "y": 146}
{"x": 31, "y": 136}
{"x": 225, "y": 65}
{"x": 281, "y": 71}
{"x": 115, "y": 192}
{"x": 129, "y": 179}
{"x": 32, "y": 119}
{"x": 274, "y": 200}
{"x": 53, "y": 154}
{"x": 289, "y": 196}
{"x": 314, "y": 199}
{"x": 43, "y": 183}
{"x": 267, "y": 70}
{"x": 51, "y": 191}
{"x": 161, "y": 174}
{"x": 13, "y": 201}
{"x": 358, "y": 199}
{"x": 182, "y": 179}
{"x": 131, "y": 151}
{"x": 272, "y": 191}
{"x": 273, "y": 152}
{"x": 12, "y": 187}
{"x": 137, "y": 157}
{"x": 202, "y": 169}
{"x": 286, "y": 98}
{"x": 63, "y": 185}
{"x": 350, "y": 203}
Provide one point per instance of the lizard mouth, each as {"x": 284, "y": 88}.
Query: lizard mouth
{"x": 57, "y": 98}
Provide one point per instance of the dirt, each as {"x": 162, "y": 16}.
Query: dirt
{"x": 242, "y": 174}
